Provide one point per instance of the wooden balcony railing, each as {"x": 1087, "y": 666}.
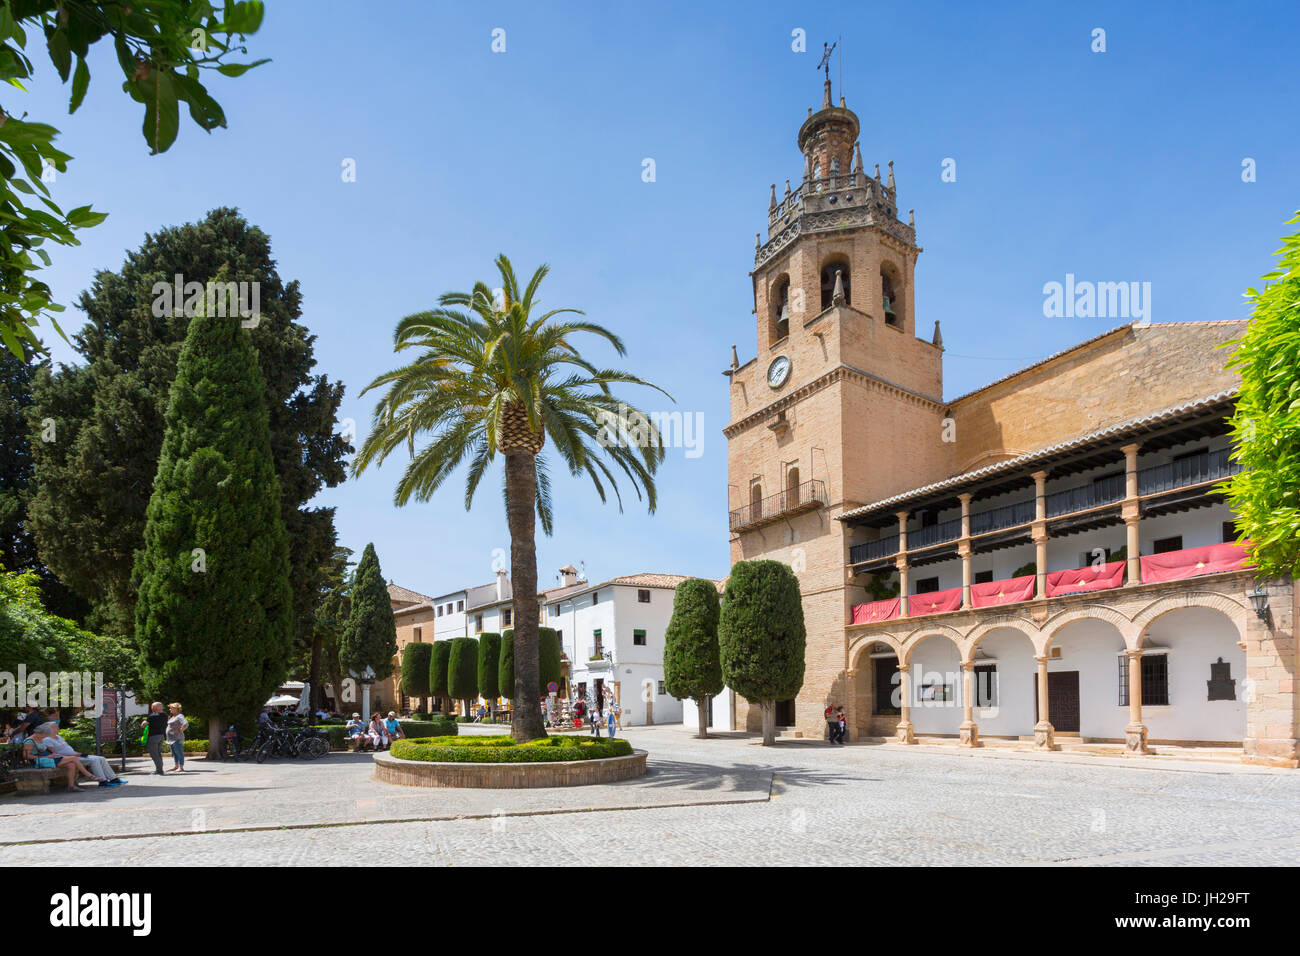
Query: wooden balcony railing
{"x": 1195, "y": 470}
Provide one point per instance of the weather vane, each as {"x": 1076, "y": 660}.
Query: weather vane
{"x": 825, "y": 64}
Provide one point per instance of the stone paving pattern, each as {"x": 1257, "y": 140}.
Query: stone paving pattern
{"x": 721, "y": 801}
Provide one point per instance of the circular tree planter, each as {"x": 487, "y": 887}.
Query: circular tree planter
{"x": 508, "y": 776}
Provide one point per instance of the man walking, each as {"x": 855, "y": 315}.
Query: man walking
{"x": 832, "y": 724}
{"x": 843, "y": 722}
{"x": 156, "y": 721}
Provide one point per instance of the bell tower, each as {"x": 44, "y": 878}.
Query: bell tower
{"x": 839, "y": 387}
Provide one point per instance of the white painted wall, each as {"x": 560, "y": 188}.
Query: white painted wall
{"x": 724, "y": 712}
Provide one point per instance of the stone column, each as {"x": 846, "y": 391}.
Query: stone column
{"x": 969, "y": 732}
{"x": 1270, "y": 688}
{"x": 901, "y": 563}
{"x": 1132, "y": 513}
{"x": 851, "y": 704}
{"x": 904, "y": 734}
{"x": 1044, "y": 732}
{"x": 963, "y": 549}
{"x": 1040, "y": 534}
{"x": 1135, "y": 734}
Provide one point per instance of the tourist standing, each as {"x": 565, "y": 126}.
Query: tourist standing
{"x": 176, "y": 724}
{"x": 843, "y": 721}
{"x": 156, "y": 721}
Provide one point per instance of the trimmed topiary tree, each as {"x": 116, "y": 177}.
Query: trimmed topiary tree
{"x": 692, "y": 664}
{"x": 506, "y": 665}
{"x": 489, "y": 659}
{"x": 548, "y": 658}
{"x": 415, "y": 670}
{"x": 370, "y": 636}
{"x": 439, "y": 661}
{"x": 214, "y": 616}
{"x": 462, "y": 670}
{"x": 761, "y": 636}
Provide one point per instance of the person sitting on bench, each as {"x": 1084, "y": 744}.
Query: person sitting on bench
{"x": 37, "y": 749}
{"x": 98, "y": 766}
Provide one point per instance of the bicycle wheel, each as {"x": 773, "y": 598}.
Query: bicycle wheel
{"x": 319, "y": 746}
{"x": 264, "y": 751}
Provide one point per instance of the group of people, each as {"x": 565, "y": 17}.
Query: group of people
{"x": 837, "y": 725}
{"x": 597, "y": 718}
{"x": 44, "y": 748}
{"x": 379, "y": 734}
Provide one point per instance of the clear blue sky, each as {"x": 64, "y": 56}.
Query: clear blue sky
{"x": 1123, "y": 165}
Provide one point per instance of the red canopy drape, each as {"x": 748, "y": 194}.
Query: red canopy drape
{"x": 875, "y": 611}
{"x": 1090, "y": 578}
{"x": 1190, "y": 562}
{"x": 936, "y": 602}
{"x": 1008, "y": 591}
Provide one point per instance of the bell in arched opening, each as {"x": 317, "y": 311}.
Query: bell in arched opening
{"x": 888, "y": 297}
{"x": 828, "y": 283}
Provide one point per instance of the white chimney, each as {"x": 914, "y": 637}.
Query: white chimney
{"x": 568, "y": 576}
{"x": 503, "y": 585}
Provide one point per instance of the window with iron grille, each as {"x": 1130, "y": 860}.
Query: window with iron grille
{"x": 506, "y": 616}
{"x": 460, "y": 605}
{"x": 638, "y": 638}
{"x": 662, "y": 690}
{"x": 1155, "y": 680}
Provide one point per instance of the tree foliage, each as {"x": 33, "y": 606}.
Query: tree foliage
{"x": 761, "y": 635}
{"x": 1265, "y": 425}
{"x": 439, "y": 664}
{"x": 214, "y": 617}
{"x": 92, "y": 481}
{"x": 462, "y": 669}
{"x": 162, "y": 47}
{"x": 489, "y": 659}
{"x": 497, "y": 375}
{"x": 415, "y": 669}
{"x": 692, "y": 666}
{"x": 549, "y": 669}
{"x": 40, "y": 641}
{"x": 370, "y": 637}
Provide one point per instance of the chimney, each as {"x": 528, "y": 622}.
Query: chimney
{"x": 568, "y": 576}
{"x": 503, "y": 585}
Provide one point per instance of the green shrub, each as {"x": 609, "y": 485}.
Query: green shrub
{"x": 428, "y": 728}
{"x": 503, "y": 749}
{"x": 415, "y": 669}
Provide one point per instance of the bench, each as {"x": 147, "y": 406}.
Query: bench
{"x": 37, "y": 780}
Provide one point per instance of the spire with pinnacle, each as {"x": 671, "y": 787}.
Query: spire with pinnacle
{"x": 891, "y": 176}
{"x": 771, "y": 205}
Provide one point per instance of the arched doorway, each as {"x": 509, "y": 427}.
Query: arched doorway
{"x": 1194, "y": 685}
{"x": 1083, "y": 680}
{"x": 1005, "y": 683}
{"x": 936, "y": 686}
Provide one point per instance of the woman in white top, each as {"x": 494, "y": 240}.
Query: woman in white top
{"x": 176, "y": 724}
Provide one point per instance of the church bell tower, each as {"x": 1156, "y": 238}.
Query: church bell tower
{"x": 819, "y": 415}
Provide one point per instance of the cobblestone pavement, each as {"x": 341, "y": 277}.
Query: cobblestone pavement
{"x": 721, "y": 801}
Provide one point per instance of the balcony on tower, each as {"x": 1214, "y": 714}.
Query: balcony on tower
{"x": 796, "y": 499}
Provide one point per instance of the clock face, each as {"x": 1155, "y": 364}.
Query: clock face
{"x": 778, "y": 371}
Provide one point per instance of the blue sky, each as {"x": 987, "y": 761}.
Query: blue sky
{"x": 1115, "y": 166}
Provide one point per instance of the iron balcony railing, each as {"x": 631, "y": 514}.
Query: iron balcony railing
{"x": 1008, "y": 516}
{"x": 808, "y": 494}
{"x": 872, "y": 550}
{"x": 1104, "y": 491}
{"x": 1195, "y": 470}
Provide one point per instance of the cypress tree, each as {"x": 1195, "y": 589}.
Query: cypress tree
{"x": 214, "y": 619}
{"x": 370, "y": 637}
{"x": 415, "y": 669}
{"x": 439, "y": 662}
{"x": 506, "y": 664}
{"x": 761, "y": 636}
{"x": 548, "y": 658}
{"x": 692, "y": 665}
{"x": 462, "y": 670}
{"x": 489, "y": 659}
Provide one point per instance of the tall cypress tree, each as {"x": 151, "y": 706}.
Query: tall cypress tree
{"x": 92, "y": 484}
{"x": 692, "y": 666}
{"x": 439, "y": 662}
{"x": 415, "y": 670}
{"x": 462, "y": 671}
{"x": 370, "y": 638}
{"x": 213, "y": 623}
{"x": 489, "y": 658}
{"x": 761, "y": 636}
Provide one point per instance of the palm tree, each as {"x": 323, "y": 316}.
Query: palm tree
{"x": 490, "y": 378}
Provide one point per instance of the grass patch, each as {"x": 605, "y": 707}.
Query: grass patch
{"x": 503, "y": 749}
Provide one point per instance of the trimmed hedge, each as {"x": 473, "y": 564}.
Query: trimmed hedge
{"x": 503, "y": 749}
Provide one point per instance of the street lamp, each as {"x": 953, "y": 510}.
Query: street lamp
{"x": 1259, "y": 603}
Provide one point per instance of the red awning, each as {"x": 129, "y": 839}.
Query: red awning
{"x": 875, "y": 611}
{"x": 1009, "y": 591}
{"x": 936, "y": 602}
{"x": 1092, "y": 578}
{"x": 1190, "y": 562}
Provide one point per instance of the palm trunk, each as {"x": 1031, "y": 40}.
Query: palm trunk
{"x": 215, "y": 733}
{"x": 702, "y": 709}
{"x": 769, "y": 722}
{"x": 521, "y": 503}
